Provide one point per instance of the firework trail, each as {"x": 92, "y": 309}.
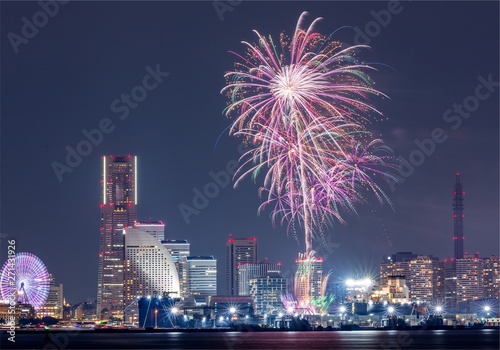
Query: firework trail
{"x": 302, "y": 108}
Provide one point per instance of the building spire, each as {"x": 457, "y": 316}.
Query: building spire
{"x": 458, "y": 218}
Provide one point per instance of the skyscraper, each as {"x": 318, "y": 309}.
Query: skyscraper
{"x": 238, "y": 251}
{"x": 148, "y": 270}
{"x": 118, "y": 211}
{"x": 202, "y": 277}
{"x": 458, "y": 218}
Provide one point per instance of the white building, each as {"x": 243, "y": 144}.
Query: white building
{"x": 179, "y": 249}
{"x": 148, "y": 270}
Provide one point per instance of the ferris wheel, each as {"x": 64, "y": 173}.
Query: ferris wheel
{"x": 28, "y": 279}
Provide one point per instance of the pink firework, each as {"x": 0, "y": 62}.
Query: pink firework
{"x": 303, "y": 110}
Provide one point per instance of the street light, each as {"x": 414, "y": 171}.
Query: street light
{"x": 174, "y": 311}
{"x": 156, "y": 318}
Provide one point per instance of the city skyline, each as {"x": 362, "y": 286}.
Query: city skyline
{"x": 72, "y": 77}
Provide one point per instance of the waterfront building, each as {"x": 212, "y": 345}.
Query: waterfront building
{"x": 118, "y": 211}
{"x": 248, "y": 271}
{"x": 239, "y": 251}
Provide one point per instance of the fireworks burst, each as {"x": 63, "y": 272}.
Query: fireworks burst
{"x": 302, "y": 111}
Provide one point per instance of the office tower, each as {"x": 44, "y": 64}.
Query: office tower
{"x": 148, "y": 270}
{"x": 248, "y": 271}
{"x": 438, "y": 282}
{"x": 54, "y": 305}
{"x": 308, "y": 279}
{"x": 266, "y": 292}
{"x": 426, "y": 279}
{"x": 450, "y": 284}
{"x": 458, "y": 218}
{"x": 202, "y": 277}
{"x": 395, "y": 265}
{"x": 491, "y": 277}
{"x": 179, "y": 250}
{"x": 118, "y": 211}
{"x": 154, "y": 228}
{"x": 469, "y": 278}
{"x": 238, "y": 251}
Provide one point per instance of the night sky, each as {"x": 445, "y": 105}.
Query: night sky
{"x": 431, "y": 57}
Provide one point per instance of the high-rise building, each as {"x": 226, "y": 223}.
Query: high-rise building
{"x": 469, "y": 278}
{"x": 55, "y": 301}
{"x": 266, "y": 292}
{"x": 450, "y": 283}
{"x": 118, "y": 211}
{"x": 308, "y": 278}
{"x": 154, "y": 228}
{"x": 491, "y": 277}
{"x": 149, "y": 270}
{"x": 438, "y": 282}
{"x": 458, "y": 218}
{"x": 202, "y": 277}
{"x": 248, "y": 271}
{"x": 426, "y": 279}
{"x": 238, "y": 251}
{"x": 395, "y": 265}
{"x": 179, "y": 249}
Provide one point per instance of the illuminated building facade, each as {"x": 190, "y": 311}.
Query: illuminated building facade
{"x": 179, "y": 250}
{"x": 450, "y": 284}
{"x": 491, "y": 277}
{"x": 266, "y": 292}
{"x": 396, "y": 265}
{"x": 308, "y": 279}
{"x": 149, "y": 270}
{"x": 469, "y": 278}
{"x": 202, "y": 277}
{"x": 426, "y": 280}
{"x": 55, "y": 301}
{"x": 118, "y": 211}
{"x": 239, "y": 251}
{"x": 248, "y": 271}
